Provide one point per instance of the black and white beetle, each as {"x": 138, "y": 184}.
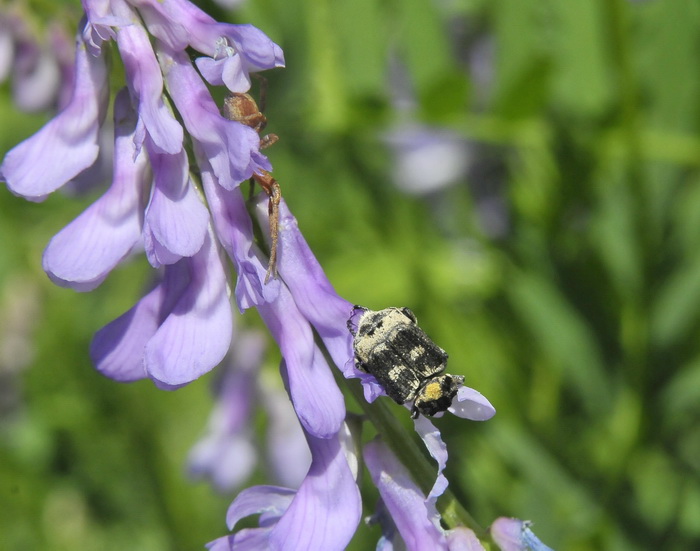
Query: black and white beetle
{"x": 405, "y": 361}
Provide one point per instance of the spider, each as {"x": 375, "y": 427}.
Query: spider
{"x": 241, "y": 107}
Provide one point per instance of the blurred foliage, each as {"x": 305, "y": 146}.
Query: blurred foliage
{"x": 578, "y": 317}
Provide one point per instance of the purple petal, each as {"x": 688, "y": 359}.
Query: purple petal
{"x": 146, "y": 82}
{"x": 82, "y": 254}
{"x": 36, "y": 78}
{"x": 471, "y": 404}
{"x": 227, "y": 71}
{"x": 251, "y": 539}
{"x": 176, "y": 219}
{"x": 228, "y": 459}
{"x": 273, "y": 501}
{"x": 438, "y": 450}
{"x": 326, "y": 510}
{"x": 226, "y": 453}
{"x": 235, "y": 232}
{"x": 204, "y": 33}
{"x": 117, "y": 349}
{"x": 231, "y": 148}
{"x": 196, "y": 335}
{"x": 463, "y": 539}
{"x": 312, "y": 292}
{"x": 7, "y": 46}
{"x": 256, "y": 48}
{"x": 403, "y": 498}
{"x": 287, "y": 452}
{"x": 67, "y": 144}
{"x": 316, "y": 397}
{"x": 512, "y": 534}
{"x": 98, "y": 27}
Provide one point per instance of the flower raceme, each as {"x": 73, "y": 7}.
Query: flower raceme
{"x": 191, "y": 222}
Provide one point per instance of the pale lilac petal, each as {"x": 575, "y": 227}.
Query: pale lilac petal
{"x": 7, "y": 47}
{"x": 211, "y": 69}
{"x": 98, "y": 27}
{"x": 36, "y": 79}
{"x": 227, "y": 453}
{"x": 228, "y": 459}
{"x": 225, "y": 70}
{"x": 326, "y": 510}
{"x": 512, "y": 534}
{"x": 63, "y": 48}
{"x": 66, "y": 145}
{"x": 463, "y": 539}
{"x": 117, "y": 349}
{"x": 176, "y": 219}
{"x": 250, "y": 539}
{"x": 84, "y": 252}
{"x": 255, "y": 46}
{"x": 235, "y": 232}
{"x": 195, "y": 336}
{"x": 312, "y": 291}
{"x": 403, "y": 498}
{"x": 471, "y": 404}
{"x": 316, "y": 397}
{"x": 172, "y": 22}
{"x": 287, "y": 452}
{"x": 272, "y": 501}
{"x": 204, "y": 34}
{"x": 437, "y": 448}
{"x": 231, "y": 147}
{"x": 146, "y": 82}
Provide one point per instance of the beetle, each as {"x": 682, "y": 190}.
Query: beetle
{"x": 389, "y": 345}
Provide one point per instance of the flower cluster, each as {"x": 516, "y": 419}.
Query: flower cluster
{"x": 192, "y": 222}
{"x": 40, "y": 71}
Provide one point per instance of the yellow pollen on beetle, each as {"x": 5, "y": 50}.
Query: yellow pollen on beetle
{"x": 433, "y": 391}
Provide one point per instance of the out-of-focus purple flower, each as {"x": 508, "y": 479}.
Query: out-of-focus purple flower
{"x": 512, "y": 534}
{"x": 7, "y": 46}
{"x": 322, "y": 514}
{"x": 427, "y": 159}
{"x": 287, "y": 453}
{"x": 227, "y": 453}
{"x": 463, "y": 539}
{"x": 40, "y": 68}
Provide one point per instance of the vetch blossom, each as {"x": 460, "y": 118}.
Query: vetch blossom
{"x": 153, "y": 202}
{"x": 512, "y": 534}
{"x": 322, "y": 514}
{"x": 40, "y": 68}
{"x": 228, "y": 453}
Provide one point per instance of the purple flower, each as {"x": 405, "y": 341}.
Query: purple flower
{"x": 512, "y": 534}
{"x": 67, "y": 144}
{"x": 40, "y": 68}
{"x": 322, "y": 514}
{"x": 188, "y": 219}
{"x": 84, "y": 252}
{"x": 182, "y": 328}
{"x": 228, "y": 453}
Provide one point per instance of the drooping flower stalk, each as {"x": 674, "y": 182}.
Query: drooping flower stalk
{"x": 192, "y": 222}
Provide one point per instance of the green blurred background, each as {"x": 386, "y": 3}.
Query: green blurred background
{"x": 560, "y": 270}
